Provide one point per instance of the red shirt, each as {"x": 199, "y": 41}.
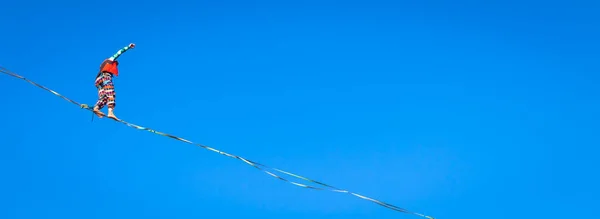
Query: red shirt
{"x": 110, "y": 67}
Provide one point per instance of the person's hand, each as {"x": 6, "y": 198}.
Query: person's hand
{"x": 132, "y": 45}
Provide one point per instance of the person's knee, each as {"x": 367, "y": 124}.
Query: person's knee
{"x": 111, "y": 104}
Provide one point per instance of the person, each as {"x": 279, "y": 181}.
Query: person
{"x": 105, "y": 86}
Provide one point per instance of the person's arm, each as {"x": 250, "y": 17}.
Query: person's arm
{"x": 121, "y": 51}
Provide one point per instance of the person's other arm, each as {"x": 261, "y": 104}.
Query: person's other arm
{"x": 121, "y": 51}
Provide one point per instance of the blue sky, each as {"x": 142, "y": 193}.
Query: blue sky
{"x": 457, "y": 110}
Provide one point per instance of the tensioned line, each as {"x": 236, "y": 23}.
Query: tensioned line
{"x": 259, "y": 166}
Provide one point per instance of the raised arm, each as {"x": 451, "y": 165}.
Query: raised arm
{"x": 121, "y": 51}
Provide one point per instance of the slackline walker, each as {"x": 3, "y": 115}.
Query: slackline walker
{"x": 257, "y": 165}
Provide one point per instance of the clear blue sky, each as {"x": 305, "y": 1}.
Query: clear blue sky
{"x": 458, "y": 110}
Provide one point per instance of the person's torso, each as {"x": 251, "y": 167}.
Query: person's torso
{"x": 110, "y": 67}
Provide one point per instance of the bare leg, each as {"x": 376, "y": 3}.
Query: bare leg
{"x": 111, "y": 113}
{"x": 97, "y": 111}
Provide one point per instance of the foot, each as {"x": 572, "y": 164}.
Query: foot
{"x": 112, "y": 116}
{"x": 111, "y": 113}
{"x": 99, "y": 113}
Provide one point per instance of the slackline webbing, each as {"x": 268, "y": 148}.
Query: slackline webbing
{"x": 257, "y": 165}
